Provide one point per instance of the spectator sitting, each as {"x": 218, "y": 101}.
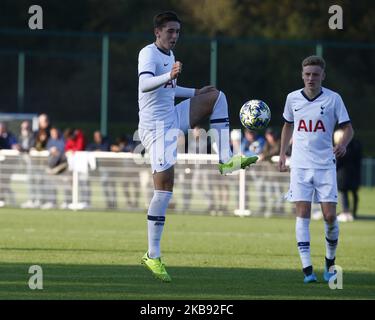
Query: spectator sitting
{"x": 123, "y": 144}
{"x": 7, "y": 139}
{"x": 41, "y": 139}
{"x": 74, "y": 140}
{"x": 56, "y": 161}
{"x": 37, "y": 176}
{"x": 252, "y": 143}
{"x": 41, "y": 136}
{"x": 271, "y": 147}
{"x": 44, "y": 123}
{"x": 26, "y": 138}
{"x": 99, "y": 143}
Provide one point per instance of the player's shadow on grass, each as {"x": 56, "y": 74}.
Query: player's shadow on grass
{"x": 65, "y": 281}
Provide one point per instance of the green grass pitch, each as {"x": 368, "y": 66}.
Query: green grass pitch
{"x": 96, "y": 255}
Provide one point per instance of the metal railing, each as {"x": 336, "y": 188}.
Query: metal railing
{"x": 123, "y": 181}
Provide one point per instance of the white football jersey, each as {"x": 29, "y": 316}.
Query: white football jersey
{"x": 158, "y": 104}
{"x": 314, "y": 123}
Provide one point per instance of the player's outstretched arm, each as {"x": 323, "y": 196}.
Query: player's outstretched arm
{"x": 148, "y": 82}
{"x": 286, "y": 135}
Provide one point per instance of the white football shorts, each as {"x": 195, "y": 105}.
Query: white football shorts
{"x": 161, "y": 143}
{"x": 313, "y": 185}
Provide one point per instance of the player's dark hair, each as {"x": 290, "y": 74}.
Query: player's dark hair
{"x": 162, "y": 18}
{"x": 314, "y": 61}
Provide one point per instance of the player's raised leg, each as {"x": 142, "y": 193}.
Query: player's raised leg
{"x": 163, "y": 189}
{"x": 332, "y": 235}
{"x": 213, "y": 104}
{"x": 303, "y": 209}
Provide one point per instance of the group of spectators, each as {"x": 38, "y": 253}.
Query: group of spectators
{"x": 50, "y": 138}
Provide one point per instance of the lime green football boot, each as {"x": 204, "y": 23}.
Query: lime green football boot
{"x": 156, "y": 267}
{"x": 236, "y": 162}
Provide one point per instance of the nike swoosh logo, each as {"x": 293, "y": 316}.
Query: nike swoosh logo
{"x": 297, "y": 109}
{"x": 165, "y": 64}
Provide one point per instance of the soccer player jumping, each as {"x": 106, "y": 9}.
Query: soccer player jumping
{"x": 314, "y": 112}
{"x": 160, "y": 120}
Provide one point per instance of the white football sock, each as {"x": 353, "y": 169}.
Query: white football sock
{"x": 219, "y": 121}
{"x": 156, "y": 218}
{"x": 332, "y": 236}
{"x": 303, "y": 240}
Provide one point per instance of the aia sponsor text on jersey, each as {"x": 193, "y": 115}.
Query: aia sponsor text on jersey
{"x": 310, "y": 126}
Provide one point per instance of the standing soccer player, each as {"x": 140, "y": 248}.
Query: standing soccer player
{"x": 160, "y": 120}
{"x": 314, "y": 112}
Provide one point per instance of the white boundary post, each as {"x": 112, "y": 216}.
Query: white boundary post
{"x": 241, "y": 211}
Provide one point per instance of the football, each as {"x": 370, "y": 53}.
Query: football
{"x": 255, "y": 115}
